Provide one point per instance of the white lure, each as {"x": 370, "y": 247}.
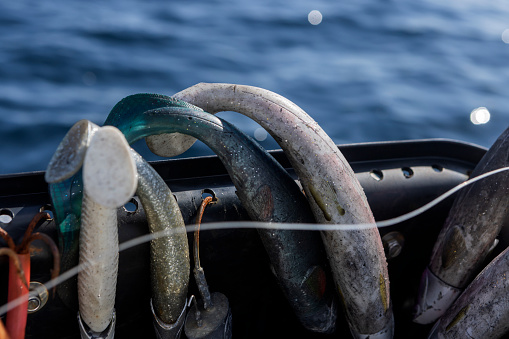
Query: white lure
{"x": 109, "y": 181}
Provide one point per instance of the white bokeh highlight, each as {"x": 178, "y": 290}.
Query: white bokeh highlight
{"x": 505, "y": 36}
{"x": 260, "y": 134}
{"x": 480, "y": 116}
{"x": 315, "y": 17}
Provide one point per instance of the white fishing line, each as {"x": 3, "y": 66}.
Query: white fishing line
{"x": 262, "y": 225}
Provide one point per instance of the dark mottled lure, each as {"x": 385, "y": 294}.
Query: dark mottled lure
{"x": 474, "y": 221}
{"x": 265, "y": 189}
{"x": 357, "y": 257}
{"x": 482, "y": 310}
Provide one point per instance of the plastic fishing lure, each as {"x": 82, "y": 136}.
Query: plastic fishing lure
{"x": 169, "y": 255}
{"x": 474, "y": 221}
{"x": 265, "y": 189}
{"x": 481, "y": 311}
{"x": 109, "y": 181}
{"x": 357, "y": 257}
{"x": 64, "y": 179}
{"x": 160, "y": 207}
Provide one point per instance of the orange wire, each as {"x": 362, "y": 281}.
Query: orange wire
{"x": 54, "y": 250}
{"x": 23, "y": 247}
{"x": 7, "y": 239}
{"x": 204, "y": 203}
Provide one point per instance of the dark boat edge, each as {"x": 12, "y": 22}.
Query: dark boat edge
{"x": 397, "y": 176}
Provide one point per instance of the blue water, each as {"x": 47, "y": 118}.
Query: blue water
{"x": 371, "y": 70}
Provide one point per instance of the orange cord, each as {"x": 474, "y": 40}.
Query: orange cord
{"x": 19, "y": 275}
{"x": 204, "y": 203}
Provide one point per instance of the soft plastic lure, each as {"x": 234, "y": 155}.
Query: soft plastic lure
{"x": 109, "y": 181}
{"x": 474, "y": 221}
{"x": 64, "y": 179}
{"x": 169, "y": 255}
{"x": 357, "y": 257}
{"x": 482, "y": 309}
{"x": 67, "y": 198}
{"x": 265, "y": 189}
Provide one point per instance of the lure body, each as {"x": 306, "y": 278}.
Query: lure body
{"x": 169, "y": 255}
{"x": 481, "y": 311}
{"x": 64, "y": 179}
{"x": 357, "y": 258}
{"x": 265, "y": 189}
{"x": 474, "y": 221}
{"x": 109, "y": 178}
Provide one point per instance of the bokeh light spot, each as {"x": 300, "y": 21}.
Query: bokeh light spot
{"x": 505, "y": 36}
{"x": 315, "y": 17}
{"x": 260, "y": 134}
{"x": 480, "y": 116}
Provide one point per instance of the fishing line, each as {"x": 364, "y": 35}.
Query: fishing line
{"x": 263, "y": 225}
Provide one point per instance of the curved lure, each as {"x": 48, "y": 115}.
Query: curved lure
{"x": 161, "y": 211}
{"x": 357, "y": 257}
{"x": 474, "y": 221}
{"x": 482, "y": 309}
{"x": 65, "y": 186}
{"x": 169, "y": 255}
{"x": 265, "y": 189}
{"x": 109, "y": 181}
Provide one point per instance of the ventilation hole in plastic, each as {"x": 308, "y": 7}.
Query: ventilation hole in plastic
{"x": 131, "y": 206}
{"x": 407, "y": 172}
{"x": 6, "y": 216}
{"x": 437, "y": 168}
{"x": 48, "y": 209}
{"x": 377, "y": 174}
{"x": 207, "y": 192}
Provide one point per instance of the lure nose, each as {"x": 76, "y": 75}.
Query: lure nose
{"x": 434, "y": 298}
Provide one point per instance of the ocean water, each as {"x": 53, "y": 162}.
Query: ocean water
{"x": 370, "y": 70}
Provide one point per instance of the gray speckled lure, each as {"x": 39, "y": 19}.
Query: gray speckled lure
{"x": 169, "y": 271}
{"x": 481, "y": 311}
{"x": 357, "y": 257}
{"x": 64, "y": 179}
{"x": 171, "y": 275}
{"x": 265, "y": 189}
{"x": 474, "y": 221}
